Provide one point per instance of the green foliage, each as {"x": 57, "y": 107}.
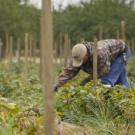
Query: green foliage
{"x": 21, "y": 111}
{"x": 104, "y": 109}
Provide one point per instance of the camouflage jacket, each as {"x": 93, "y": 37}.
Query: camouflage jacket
{"x": 108, "y": 50}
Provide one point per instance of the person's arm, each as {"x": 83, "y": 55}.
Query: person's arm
{"x": 103, "y": 63}
{"x": 68, "y": 74}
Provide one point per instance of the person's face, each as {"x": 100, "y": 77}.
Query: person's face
{"x": 85, "y": 59}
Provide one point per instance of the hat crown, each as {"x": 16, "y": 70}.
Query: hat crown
{"x": 78, "y": 53}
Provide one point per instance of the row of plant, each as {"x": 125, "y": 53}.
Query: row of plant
{"x": 105, "y": 111}
{"x": 108, "y": 111}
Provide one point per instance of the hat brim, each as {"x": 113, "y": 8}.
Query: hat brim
{"x": 77, "y": 63}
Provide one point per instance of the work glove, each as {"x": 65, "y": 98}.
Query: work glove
{"x": 55, "y": 87}
{"x": 86, "y": 80}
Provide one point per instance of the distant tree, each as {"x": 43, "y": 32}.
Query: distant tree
{"x": 84, "y": 20}
{"x": 18, "y": 17}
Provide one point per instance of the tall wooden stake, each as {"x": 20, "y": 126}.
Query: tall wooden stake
{"x": 61, "y": 47}
{"x": 47, "y": 64}
{"x": 1, "y": 44}
{"x": 34, "y": 51}
{"x": 54, "y": 49}
{"x": 118, "y": 35}
{"x": 66, "y": 46}
{"x": 18, "y": 50}
{"x": 10, "y": 50}
{"x": 123, "y": 30}
{"x": 7, "y": 46}
{"x": 69, "y": 48}
{"x": 100, "y": 33}
{"x": 95, "y": 61}
{"x": 30, "y": 51}
{"x": 132, "y": 47}
{"x": 26, "y": 59}
{"x": 82, "y": 40}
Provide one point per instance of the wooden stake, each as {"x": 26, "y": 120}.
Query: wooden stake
{"x": 69, "y": 48}
{"x": 100, "y": 33}
{"x": 82, "y": 40}
{"x": 47, "y": 64}
{"x": 10, "y": 50}
{"x": 132, "y": 47}
{"x": 66, "y": 46}
{"x": 61, "y": 47}
{"x": 18, "y": 50}
{"x": 123, "y": 30}
{"x": 95, "y": 61}
{"x": 1, "y": 44}
{"x": 129, "y": 43}
{"x": 61, "y": 54}
{"x": 55, "y": 50}
{"x": 118, "y": 35}
{"x": 30, "y": 51}
{"x": 34, "y": 51}
{"x": 7, "y": 46}
{"x": 26, "y": 59}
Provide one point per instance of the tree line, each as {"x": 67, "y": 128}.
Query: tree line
{"x": 87, "y": 19}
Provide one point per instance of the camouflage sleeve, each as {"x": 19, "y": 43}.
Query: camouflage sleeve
{"x": 68, "y": 74}
{"x": 103, "y": 64}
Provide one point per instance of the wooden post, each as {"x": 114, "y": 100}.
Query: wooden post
{"x": 132, "y": 47}
{"x": 7, "y": 46}
{"x": 55, "y": 51}
{"x": 100, "y": 33}
{"x": 95, "y": 61}
{"x": 123, "y": 36}
{"x": 82, "y": 40}
{"x": 129, "y": 44}
{"x": 47, "y": 64}
{"x": 34, "y": 51}
{"x": 118, "y": 34}
{"x": 10, "y": 50}
{"x": 30, "y": 51}
{"x": 18, "y": 50}
{"x": 26, "y": 59}
{"x": 61, "y": 47}
{"x": 66, "y": 46}
{"x": 61, "y": 54}
{"x": 1, "y": 44}
{"x": 69, "y": 48}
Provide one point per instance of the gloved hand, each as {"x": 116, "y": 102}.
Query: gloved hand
{"x": 55, "y": 87}
{"x": 86, "y": 80}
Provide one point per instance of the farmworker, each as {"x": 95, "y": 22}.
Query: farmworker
{"x": 113, "y": 55}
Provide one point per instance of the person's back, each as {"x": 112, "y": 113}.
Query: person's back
{"x": 113, "y": 47}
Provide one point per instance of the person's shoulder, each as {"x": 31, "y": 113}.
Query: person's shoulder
{"x": 110, "y": 42}
{"x": 103, "y": 43}
{"x": 107, "y": 40}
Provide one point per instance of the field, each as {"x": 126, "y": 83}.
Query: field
{"x": 93, "y": 109}
{"x": 36, "y": 45}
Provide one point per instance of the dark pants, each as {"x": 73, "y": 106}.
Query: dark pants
{"x": 117, "y": 74}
